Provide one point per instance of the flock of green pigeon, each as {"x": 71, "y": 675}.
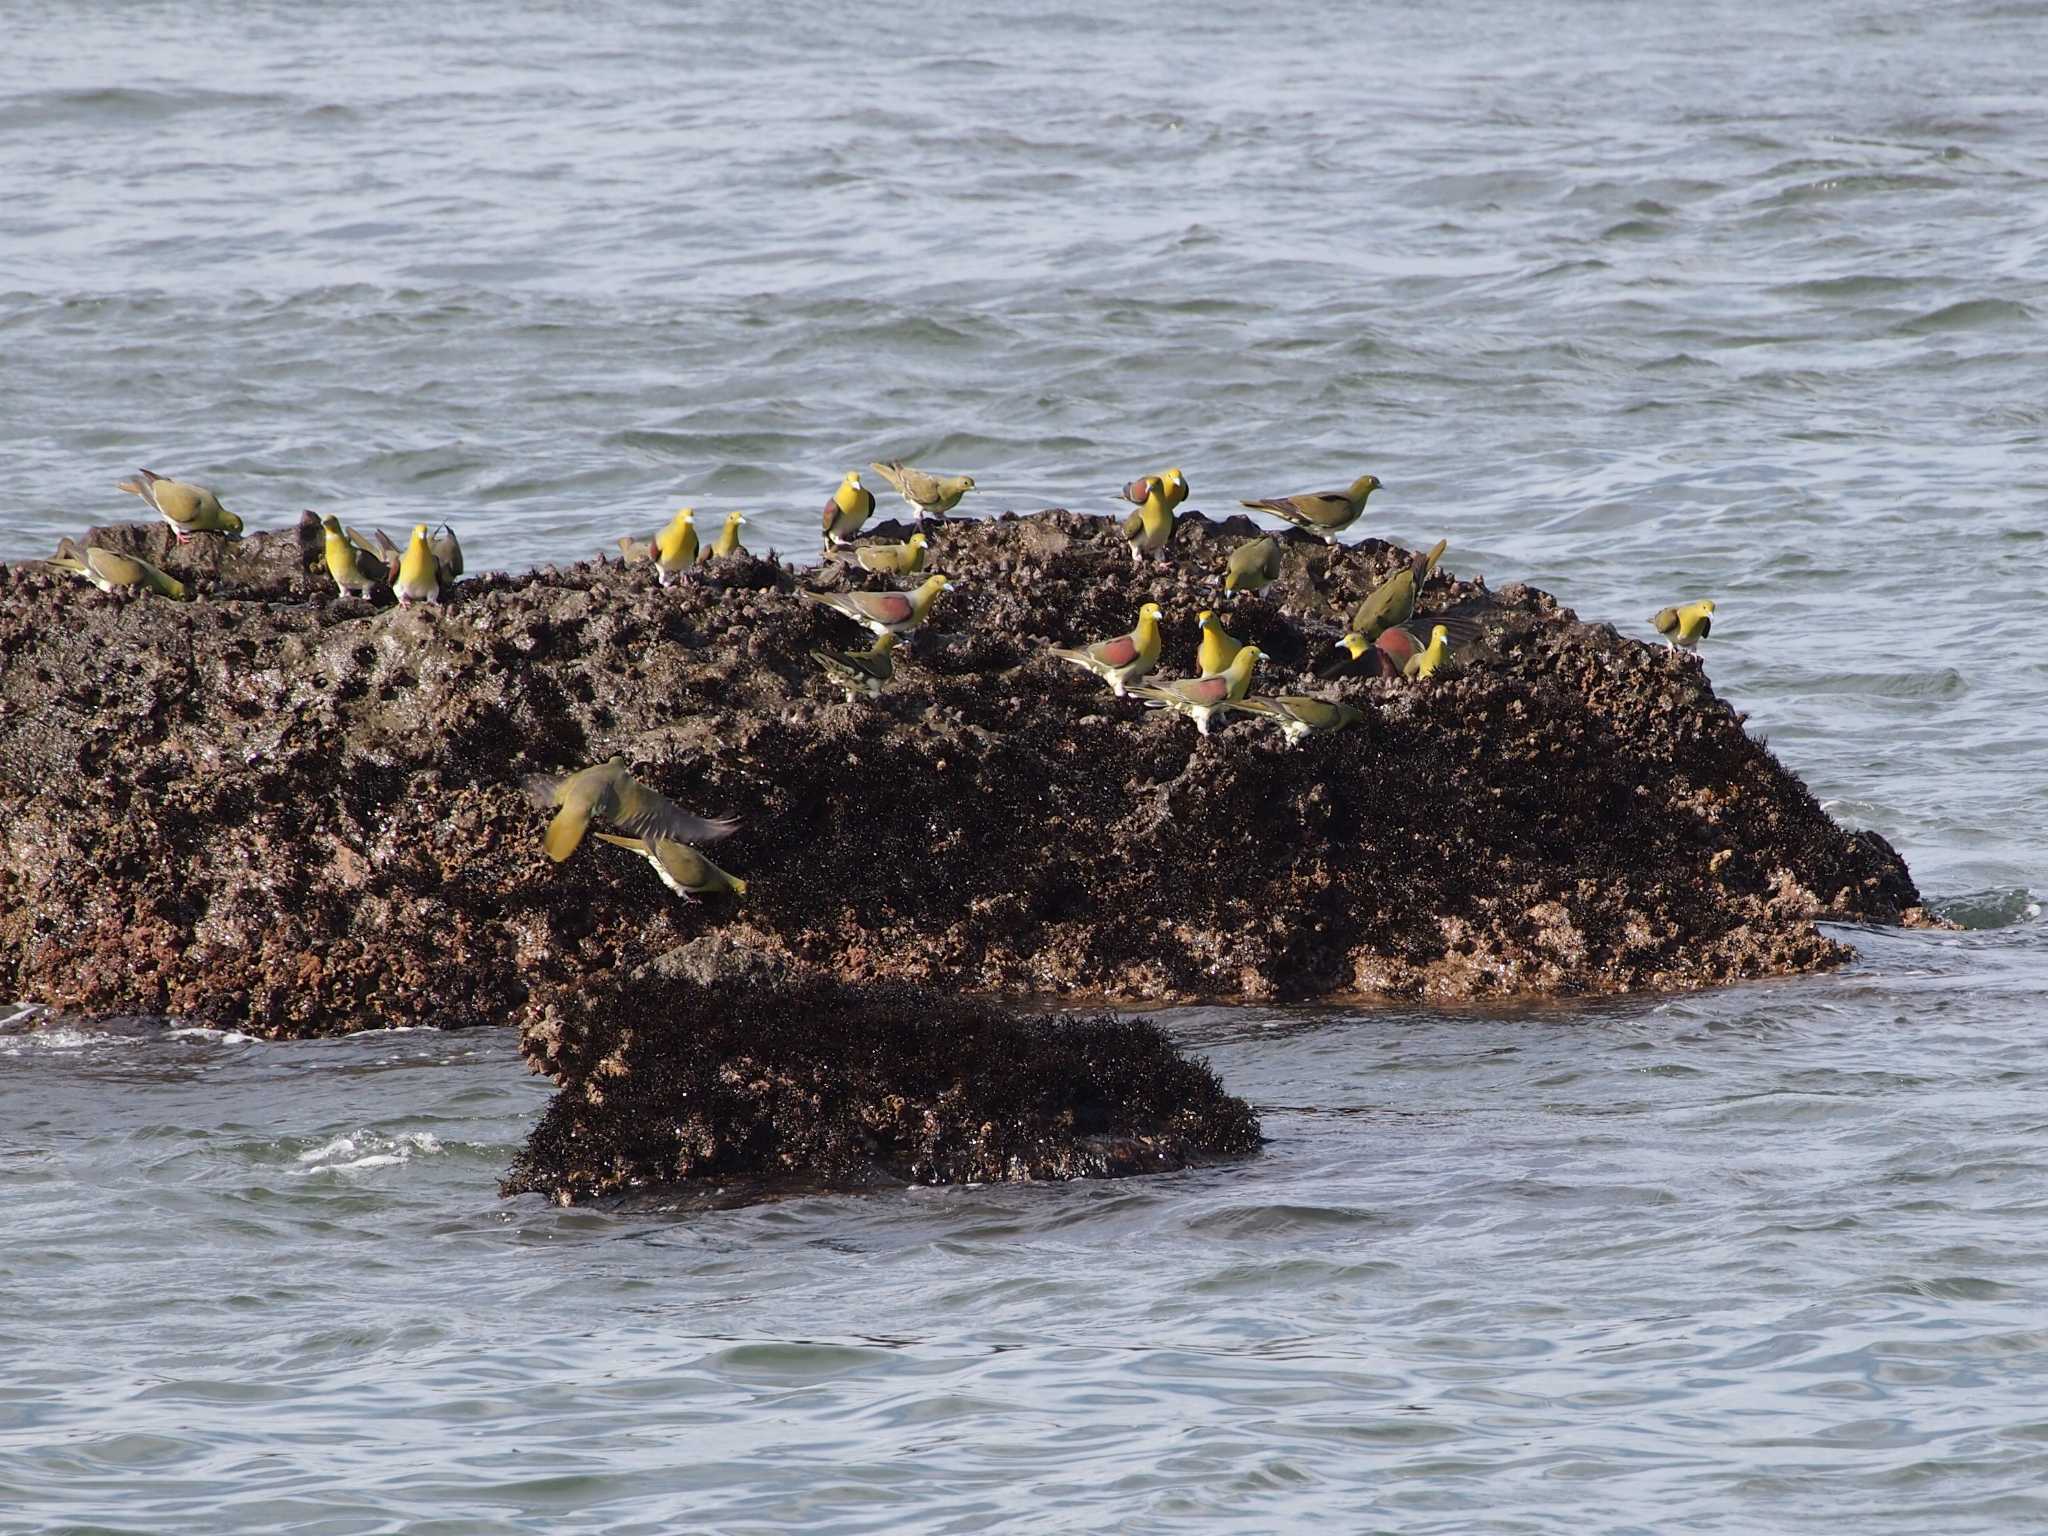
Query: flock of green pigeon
{"x": 1377, "y": 642}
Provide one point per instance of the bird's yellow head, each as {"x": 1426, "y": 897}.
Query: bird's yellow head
{"x": 1439, "y": 635}
{"x": 419, "y": 533}
{"x": 332, "y": 524}
{"x": 852, "y": 480}
{"x": 919, "y": 541}
{"x": 686, "y": 514}
{"x": 967, "y": 482}
{"x": 1176, "y": 481}
{"x": 1356, "y": 644}
{"x": 736, "y": 519}
{"x": 1152, "y": 611}
{"x": 1206, "y": 617}
{"x": 1707, "y": 605}
{"x": 1364, "y": 486}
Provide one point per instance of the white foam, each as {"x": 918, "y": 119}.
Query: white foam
{"x": 366, "y": 1149}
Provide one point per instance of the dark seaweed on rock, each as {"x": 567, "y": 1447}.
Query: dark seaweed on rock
{"x": 666, "y": 1081}
{"x": 296, "y": 814}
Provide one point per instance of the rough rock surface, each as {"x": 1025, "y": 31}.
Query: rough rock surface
{"x": 295, "y": 814}
{"x": 667, "y": 1082}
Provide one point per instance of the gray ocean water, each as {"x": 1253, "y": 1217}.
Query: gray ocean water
{"x": 1633, "y": 302}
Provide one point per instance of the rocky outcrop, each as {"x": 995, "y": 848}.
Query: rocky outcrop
{"x": 754, "y": 1085}
{"x": 296, "y": 814}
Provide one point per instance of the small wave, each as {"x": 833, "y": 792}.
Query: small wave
{"x": 1967, "y": 315}
{"x": 1999, "y": 907}
{"x": 366, "y": 1149}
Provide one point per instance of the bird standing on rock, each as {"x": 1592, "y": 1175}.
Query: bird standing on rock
{"x": 675, "y": 547}
{"x": 345, "y": 560}
{"x": 609, "y": 792}
{"x": 728, "y": 541}
{"x": 886, "y": 613}
{"x": 1393, "y": 600}
{"x": 1254, "y": 566}
{"x": 860, "y": 672}
{"x": 1322, "y": 513}
{"x": 929, "y": 495}
{"x": 905, "y": 559}
{"x": 1218, "y": 647}
{"x": 1434, "y": 658}
{"x": 447, "y": 555}
{"x": 112, "y": 572}
{"x": 1123, "y": 660}
{"x": 682, "y": 868}
{"x": 1353, "y": 656}
{"x": 850, "y": 507}
{"x": 188, "y": 508}
{"x": 1299, "y": 715}
{"x": 1202, "y": 698}
{"x": 1148, "y": 529}
{"x": 419, "y": 573}
{"x": 1687, "y": 625}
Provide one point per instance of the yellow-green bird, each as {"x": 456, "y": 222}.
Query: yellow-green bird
{"x": 1351, "y": 656}
{"x": 1393, "y": 600}
{"x": 1148, "y": 529}
{"x": 929, "y": 495}
{"x": 675, "y": 547}
{"x": 1201, "y": 698}
{"x": 610, "y": 793}
{"x": 1322, "y": 513}
{"x": 1686, "y": 625}
{"x": 682, "y": 868}
{"x": 886, "y": 613}
{"x": 728, "y": 541}
{"x": 1123, "y": 660}
{"x": 850, "y": 507}
{"x": 860, "y": 672}
{"x": 1254, "y": 566}
{"x": 1299, "y": 715}
{"x": 1171, "y": 481}
{"x": 1433, "y": 658}
{"x": 419, "y": 573}
{"x": 188, "y": 508}
{"x": 1218, "y": 647}
{"x": 345, "y": 560}
{"x": 905, "y": 559}
{"x": 112, "y": 572}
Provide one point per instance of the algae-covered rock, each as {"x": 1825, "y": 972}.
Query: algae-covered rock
{"x": 667, "y": 1083}
{"x": 294, "y": 813}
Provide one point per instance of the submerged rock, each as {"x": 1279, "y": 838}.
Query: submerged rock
{"x": 669, "y": 1082}
{"x": 293, "y": 814}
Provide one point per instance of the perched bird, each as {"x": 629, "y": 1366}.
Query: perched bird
{"x": 1323, "y": 513}
{"x": 860, "y": 672}
{"x": 728, "y": 541}
{"x": 345, "y": 560}
{"x": 112, "y": 572}
{"x": 682, "y": 868}
{"x": 1686, "y": 625}
{"x": 905, "y": 559}
{"x": 1201, "y": 698}
{"x": 1122, "y": 661}
{"x": 1172, "y": 481}
{"x": 929, "y": 495}
{"x": 851, "y": 506}
{"x": 448, "y": 554}
{"x": 1355, "y": 656}
{"x": 189, "y": 509}
{"x": 1254, "y": 566}
{"x": 419, "y": 573}
{"x": 675, "y": 547}
{"x": 886, "y": 613}
{"x": 1393, "y": 600}
{"x": 609, "y": 792}
{"x": 1428, "y": 662}
{"x": 1218, "y": 648}
{"x": 1148, "y": 528}
{"x": 1299, "y": 715}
